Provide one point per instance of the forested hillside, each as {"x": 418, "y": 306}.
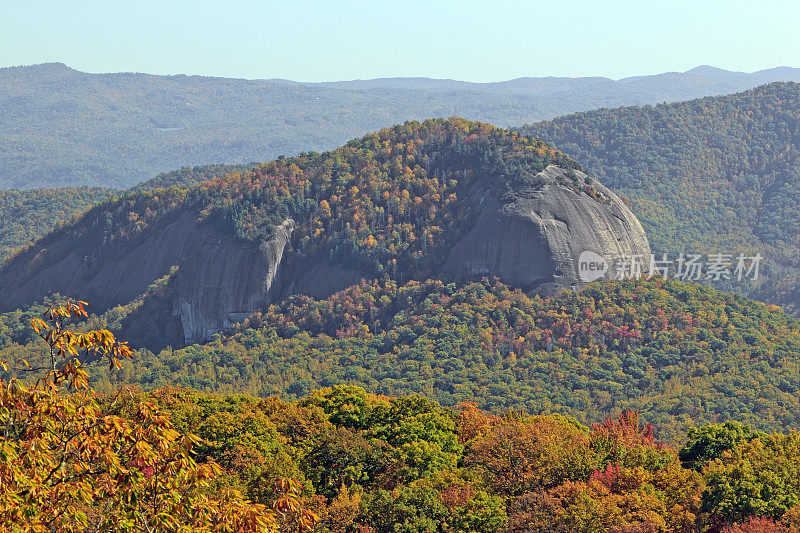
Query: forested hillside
{"x": 682, "y": 354}
{"x": 63, "y": 127}
{"x": 731, "y": 161}
{"x": 340, "y": 459}
{"x": 388, "y": 204}
{"x": 710, "y": 175}
{"x": 189, "y": 176}
{"x": 26, "y": 215}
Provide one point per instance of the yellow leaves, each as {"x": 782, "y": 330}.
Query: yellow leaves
{"x": 325, "y": 208}
{"x": 76, "y": 468}
{"x": 287, "y": 506}
{"x": 38, "y": 324}
{"x": 66, "y": 310}
{"x": 67, "y": 346}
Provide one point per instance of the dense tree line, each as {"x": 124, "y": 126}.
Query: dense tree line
{"x": 341, "y": 459}
{"x": 71, "y": 460}
{"x": 190, "y": 176}
{"x": 683, "y": 355}
{"x": 387, "y": 464}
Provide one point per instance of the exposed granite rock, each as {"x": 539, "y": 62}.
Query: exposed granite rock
{"x": 222, "y": 280}
{"x": 535, "y": 239}
{"x": 87, "y": 268}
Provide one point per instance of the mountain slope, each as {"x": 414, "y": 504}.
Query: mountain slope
{"x": 716, "y": 174}
{"x": 684, "y": 355}
{"x": 446, "y": 198}
{"x": 59, "y": 126}
{"x": 186, "y": 177}
{"x": 26, "y": 215}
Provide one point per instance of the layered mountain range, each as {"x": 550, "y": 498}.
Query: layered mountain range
{"x": 63, "y": 127}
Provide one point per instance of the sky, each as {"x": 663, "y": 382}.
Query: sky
{"x": 489, "y": 40}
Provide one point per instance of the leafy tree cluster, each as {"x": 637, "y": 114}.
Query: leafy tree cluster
{"x": 682, "y": 355}
{"x": 341, "y": 459}
{"x": 711, "y": 175}
{"x": 367, "y": 462}
{"x": 73, "y": 461}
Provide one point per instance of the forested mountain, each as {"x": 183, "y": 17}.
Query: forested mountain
{"x": 451, "y": 199}
{"x": 61, "y": 127}
{"x": 169, "y": 266}
{"x": 710, "y": 175}
{"x": 427, "y": 396}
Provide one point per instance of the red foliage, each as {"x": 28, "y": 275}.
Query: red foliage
{"x": 757, "y": 525}
{"x": 624, "y": 430}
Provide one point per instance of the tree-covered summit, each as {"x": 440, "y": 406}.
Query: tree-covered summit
{"x": 384, "y": 202}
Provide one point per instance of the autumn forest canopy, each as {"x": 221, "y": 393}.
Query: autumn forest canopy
{"x": 341, "y": 458}
{"x": 388, "y": 394}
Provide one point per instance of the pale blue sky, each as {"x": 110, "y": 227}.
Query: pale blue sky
{"x": 329, "y": 40}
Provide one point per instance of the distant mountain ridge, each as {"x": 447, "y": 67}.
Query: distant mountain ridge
{"x": 697, "y": 81}
{"x": 63, "y": 127}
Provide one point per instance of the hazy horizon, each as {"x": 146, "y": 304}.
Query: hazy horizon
{"x": 355, "y": 40}
{"x": 410, "y": 77}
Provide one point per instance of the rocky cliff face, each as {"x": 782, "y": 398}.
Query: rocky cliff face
{"x": 220, "y": 278}
{"x": 532, "y": 240}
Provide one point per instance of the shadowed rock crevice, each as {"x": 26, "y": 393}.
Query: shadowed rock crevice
{"x": 223, "y": 280}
